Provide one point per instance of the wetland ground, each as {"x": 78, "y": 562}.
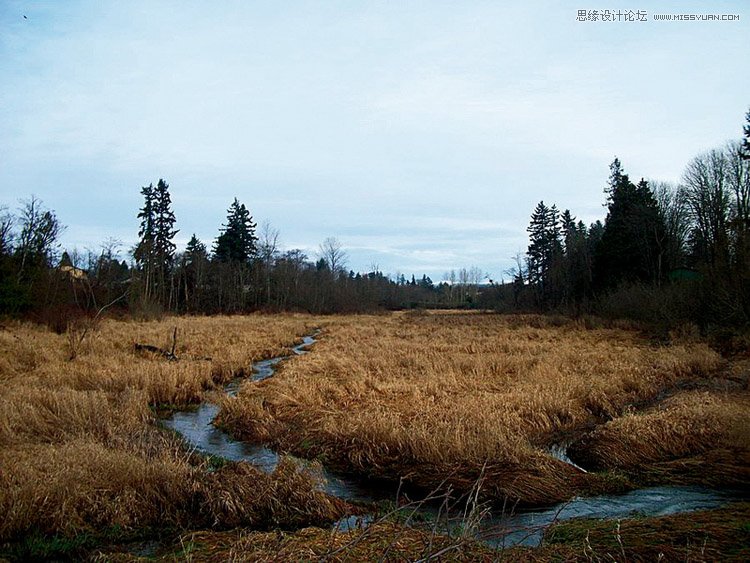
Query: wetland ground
{"x": 431, "y": 398}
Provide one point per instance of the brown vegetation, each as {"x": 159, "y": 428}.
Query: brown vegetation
{"x": 79, "y": 450}
{"x": 381, "y": 542}
{"x": 712, "y": 535}
{"x": 431, "y": 397}
{"x": 441, "y": 396}
{"x": 694, "y": 436}
{"x": 716, "y": 535}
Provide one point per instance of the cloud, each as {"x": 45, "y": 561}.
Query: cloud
{"x": 415, "y": 131}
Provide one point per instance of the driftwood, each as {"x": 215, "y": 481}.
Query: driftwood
{"x": 155, "y": 350}
{"x": 168, "y": 354}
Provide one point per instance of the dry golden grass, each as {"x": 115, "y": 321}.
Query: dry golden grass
{"x": 716, "y": 535}
{"x": 79, "y": 450}
{"x": 433, "y": 396}
{"x": 699, "y": 435}
{"x": 436, "y": 396}
{"x": 380, "y": 542}
{"x": 712, "y": 535}
{"x": 82, "y": 486}
{"x": 107, "y": 361}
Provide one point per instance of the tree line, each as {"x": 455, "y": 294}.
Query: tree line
{"x": 243, "y": 270}
{"x": 246, "y": 270}
{"x": 663, "y": 253}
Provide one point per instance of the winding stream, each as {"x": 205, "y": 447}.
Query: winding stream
{"x": 519, "y": 528}
{"x": 197, "y": 429}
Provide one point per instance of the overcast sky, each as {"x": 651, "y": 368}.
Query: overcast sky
{"x": 420, "y": 134}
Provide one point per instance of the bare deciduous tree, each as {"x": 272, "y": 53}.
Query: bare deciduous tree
{"x": 39, "y": 232}
{"x": 738, "y": 178}
{"x": 268, "y": 250}
{"x": 332, "y": 251}
{"x": 6, "y": 230}
{"x": 675, "y": 215}
{"x": 708, "y": 197}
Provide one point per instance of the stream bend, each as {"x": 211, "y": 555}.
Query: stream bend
{"x": 520, "y": 528}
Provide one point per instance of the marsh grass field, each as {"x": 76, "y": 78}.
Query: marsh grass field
{"x": 430, "y": 399}
{"x": 81, "y": 454}
{"x": 446, "y": 397}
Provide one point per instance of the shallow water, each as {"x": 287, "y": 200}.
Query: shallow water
{"x": 519, "y": 528}
{"x": 560, "y": 451}
{"x": 197, "y": 429}
{"x": 526, "y": 528}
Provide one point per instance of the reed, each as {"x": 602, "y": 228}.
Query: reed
{"x": 715, "y": 535}
{"x": 693, "y": 436}
{"x": 435, "y": 396}
{"x": 79, "y": 448}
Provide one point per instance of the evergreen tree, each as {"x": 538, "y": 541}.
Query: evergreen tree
{"x": 569, "y": 231}
{"x": 155, "y": 250}
{"x": 195, "y": 251}
{"x": 617, "y": 178}
{"x": 536, "y": 252}
{"x": 164, "y": 231}
{"x": 194, "y": 266}
{"x": 631, "y": 247}
{"x": 575, "y": 259}
{"x": 237, "y": 241}
{"x": 596, "y": 231}
{"x": 144, "y": 250}
{"x": 545, "y": 251}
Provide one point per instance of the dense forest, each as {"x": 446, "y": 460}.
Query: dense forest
{"x": 664, "y": 254}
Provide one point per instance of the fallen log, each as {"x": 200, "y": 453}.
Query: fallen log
{"x": 155, "y": 350}
{"x": 168, "y": 354}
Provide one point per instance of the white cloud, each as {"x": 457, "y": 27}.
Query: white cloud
{"x": 419, "y": 132}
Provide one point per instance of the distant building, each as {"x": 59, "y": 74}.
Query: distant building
{"x": 74, "y": 273}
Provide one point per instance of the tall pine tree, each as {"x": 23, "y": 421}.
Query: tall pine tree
{"x": 144, "y": 250}
{"x": 194, "y": 266}
{"x": 154, "y": 252}
{"x": 544, "y": 252}
{"x": 237, "y": 241}
{"x": 631, "y": 247}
